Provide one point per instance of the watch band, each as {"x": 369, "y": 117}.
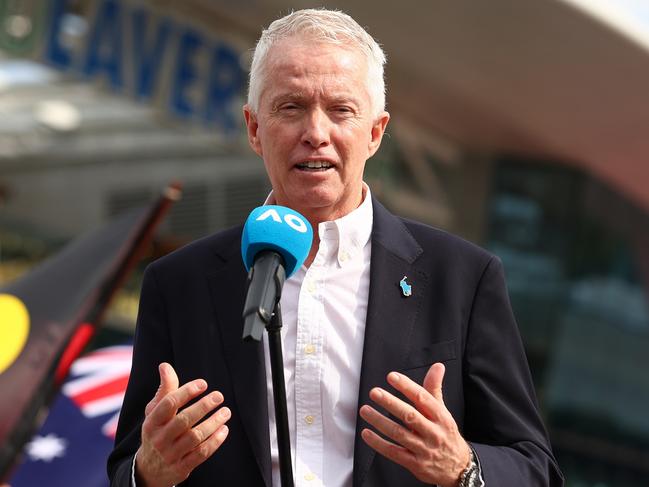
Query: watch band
{"x": 471, "y": 477}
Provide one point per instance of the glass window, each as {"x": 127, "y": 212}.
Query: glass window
{"x": 576, "y": 258}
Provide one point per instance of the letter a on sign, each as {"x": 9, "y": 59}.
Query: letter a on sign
{"x": 270, "y": 213}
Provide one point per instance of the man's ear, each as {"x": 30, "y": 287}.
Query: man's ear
{"x": 378, "y": 129}
{"x": 251, "y": 127}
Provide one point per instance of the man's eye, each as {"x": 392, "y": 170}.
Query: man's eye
{"x": 343, "y": 109}
{"x": 289, "y": 106}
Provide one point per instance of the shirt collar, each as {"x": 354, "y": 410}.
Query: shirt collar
{"x": 351, "y": 232}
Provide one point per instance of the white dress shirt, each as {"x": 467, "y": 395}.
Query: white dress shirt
{"x": 324, "y": 309}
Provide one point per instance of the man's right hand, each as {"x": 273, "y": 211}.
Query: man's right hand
{"x": 173, "y": 444}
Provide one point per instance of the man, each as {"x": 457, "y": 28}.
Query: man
{"x": 378, "y": 299}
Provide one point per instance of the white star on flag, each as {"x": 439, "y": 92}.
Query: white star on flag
{"x": 46, "y": 448}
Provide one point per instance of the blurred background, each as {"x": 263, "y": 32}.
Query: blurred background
{"x": 521, "y": 125}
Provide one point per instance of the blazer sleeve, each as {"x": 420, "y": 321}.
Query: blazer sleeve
{"x": 502, "y": 421}
{"x": 151, "y": 347}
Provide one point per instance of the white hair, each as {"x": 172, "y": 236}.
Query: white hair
{"x": 320, "y": 25}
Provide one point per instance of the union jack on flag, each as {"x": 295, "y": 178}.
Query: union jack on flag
{"x": 98, "y": 384}
{"x": 75, "y": 440}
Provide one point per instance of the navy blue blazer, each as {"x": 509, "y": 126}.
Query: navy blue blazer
{"x": 458, "y": 313}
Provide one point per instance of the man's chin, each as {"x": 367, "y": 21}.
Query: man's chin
{"x": 312, "y": 203}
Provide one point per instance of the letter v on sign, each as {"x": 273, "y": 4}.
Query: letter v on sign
{"x": 14, "y": 329}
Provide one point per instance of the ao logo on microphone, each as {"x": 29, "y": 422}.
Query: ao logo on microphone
{"x": 292, "y": 220}
{"x": 277, "y": 229}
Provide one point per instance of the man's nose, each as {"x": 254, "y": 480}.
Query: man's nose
{"x": 316, "y": 129}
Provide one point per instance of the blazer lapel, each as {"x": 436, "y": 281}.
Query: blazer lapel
{"x": 391, "y": 316}
{"x": 245, "y": 361}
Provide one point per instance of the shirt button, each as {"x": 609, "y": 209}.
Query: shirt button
{"x": 311, "y": 286}
{"x": 309, "y": 349}
{"x": 344, "y": 256}
{"x": 309, "y": 419}
{"x": 309, "y": 477}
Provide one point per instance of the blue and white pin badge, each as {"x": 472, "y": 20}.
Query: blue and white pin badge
{"x": 406, "y": 289}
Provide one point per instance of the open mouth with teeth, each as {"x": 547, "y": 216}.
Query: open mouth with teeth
{"x": 314, "y": 166}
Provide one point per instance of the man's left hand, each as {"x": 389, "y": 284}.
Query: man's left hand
{"x": 427, "y": 442}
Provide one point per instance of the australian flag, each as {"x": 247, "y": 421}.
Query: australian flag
{"x": 72, "y": 446}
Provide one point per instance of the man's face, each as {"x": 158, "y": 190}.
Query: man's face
{"x": 315, "y": 128}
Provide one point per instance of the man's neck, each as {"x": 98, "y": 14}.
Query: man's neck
{"x": 315, "y": 216}
{"x": 321, "y": 215}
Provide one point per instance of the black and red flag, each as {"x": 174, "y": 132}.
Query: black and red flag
{"x": 48, "y": 316}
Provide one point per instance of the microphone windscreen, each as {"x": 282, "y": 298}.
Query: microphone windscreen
{"x": 280, "y": 229}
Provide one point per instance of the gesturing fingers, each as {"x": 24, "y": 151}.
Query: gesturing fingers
{"x": 430, "y": 406}
{"x": 168, "y": 383}
{"x": 424, "y": 438}
{"x": 199, "y": 434}
{"x": 177, "y": 437}
{"x": 392, "y": 429}
{"x": 433, "y": 380}
{"x": 188, "y": 417}
{"x": 203, "y": 451}
{"x": 167, "y": 406}
{"x": 406, "y": 413}
{"x": 396, "y": 453}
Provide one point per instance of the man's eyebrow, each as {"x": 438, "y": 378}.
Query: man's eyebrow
{"x": 346, "y": 98}
{"x": 298, "y": 96}
{"x": 284, "y": 97}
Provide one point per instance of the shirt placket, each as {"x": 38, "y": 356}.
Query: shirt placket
{"x": 308, "y": 374}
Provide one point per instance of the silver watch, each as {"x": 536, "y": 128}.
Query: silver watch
{"x": 471, "y": 476}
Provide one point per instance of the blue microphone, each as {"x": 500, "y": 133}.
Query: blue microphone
{"x": 275, "y": 243}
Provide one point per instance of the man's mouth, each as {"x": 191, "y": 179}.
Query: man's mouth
{"x": 314, "y": 166}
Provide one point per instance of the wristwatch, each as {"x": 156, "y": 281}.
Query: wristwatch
{"x": 471, "y": 476}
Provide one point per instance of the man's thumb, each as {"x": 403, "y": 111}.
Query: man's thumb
{"x": 433, "y": 380}
{"x": 168, "y": 383}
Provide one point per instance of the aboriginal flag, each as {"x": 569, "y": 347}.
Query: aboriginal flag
{"x": 48, "y": 316}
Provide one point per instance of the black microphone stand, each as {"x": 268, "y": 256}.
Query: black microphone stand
{"x": 274, "y": 329}
{"x": 256, "y": 317}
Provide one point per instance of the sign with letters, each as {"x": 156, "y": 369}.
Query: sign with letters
{"x": 133, "y": 50}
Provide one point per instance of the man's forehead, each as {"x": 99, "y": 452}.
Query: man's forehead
{"x": 297, "y": 67}
{"x": 289, "y": 87}
{"x": 295, "y": 53}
